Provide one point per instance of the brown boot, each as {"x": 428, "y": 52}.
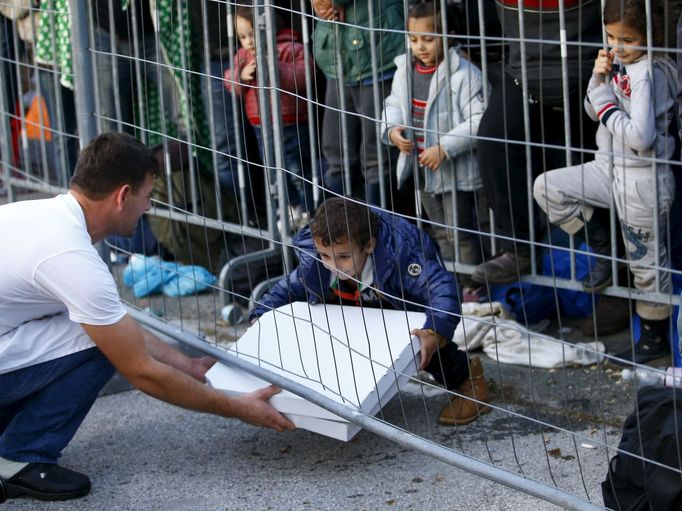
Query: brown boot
{"x": 504, "y": 268}
{"x": 464, "y": 408}
{"x": 611, "y": 315}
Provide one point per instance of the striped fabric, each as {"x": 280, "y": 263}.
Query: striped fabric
{"x": 420, "y": 92}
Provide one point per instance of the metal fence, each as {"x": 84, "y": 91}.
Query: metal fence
{"x": 251, "y": 145}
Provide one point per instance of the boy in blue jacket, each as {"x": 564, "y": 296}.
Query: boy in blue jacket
{"x": 353, "y": 255}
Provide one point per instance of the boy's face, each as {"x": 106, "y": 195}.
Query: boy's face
{"x": 345, "y": 259}
{"x": 624, "y": 41}
{"x": 245, "y": 34}
{"x": 427, "y": 47}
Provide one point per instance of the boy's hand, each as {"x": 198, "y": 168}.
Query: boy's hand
{"x": 429, "y": 344}
{"x": 395, "y": 135}
{"x": 432, "y": 157}
{"x": 248, "y": 72}
{"x": 603, "y": 64}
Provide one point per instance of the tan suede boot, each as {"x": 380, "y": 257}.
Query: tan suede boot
{"x": 464, "y": 408}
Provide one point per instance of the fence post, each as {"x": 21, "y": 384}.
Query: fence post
{"x": 84, "y": 92}
{"x": 5, "y": 132}
{"x": 83, "y": 75}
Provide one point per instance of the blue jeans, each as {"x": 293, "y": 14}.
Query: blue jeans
{"x": 42, "y": 406}
{"x": 296, "y": 141}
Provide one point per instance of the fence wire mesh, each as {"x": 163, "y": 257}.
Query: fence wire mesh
{"x": 535, "y": 143}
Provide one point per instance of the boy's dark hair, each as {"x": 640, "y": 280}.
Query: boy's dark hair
{"x": 111, "y": 160}
{"x": 338, "y": 220}
{"x": 633, "y": 15}
{"x": 431, "y": 10}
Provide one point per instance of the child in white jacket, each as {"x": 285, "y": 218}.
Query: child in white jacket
{"x": 634, "y": 109}
{"x": 436, "y": 134}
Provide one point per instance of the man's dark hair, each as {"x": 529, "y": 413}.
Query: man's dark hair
{"x": 111, "y": 160}
{"x": 632, "y": 13}
{"x": 338, "y": 220}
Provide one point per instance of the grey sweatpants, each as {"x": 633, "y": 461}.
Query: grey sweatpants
{"x": 569, "y": 196}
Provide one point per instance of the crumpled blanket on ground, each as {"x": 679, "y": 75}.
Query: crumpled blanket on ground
{"x": 149, "y": 275}
{"x": 488, "y": 326}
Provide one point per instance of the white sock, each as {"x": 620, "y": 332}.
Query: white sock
{"x": 9, "y": 468}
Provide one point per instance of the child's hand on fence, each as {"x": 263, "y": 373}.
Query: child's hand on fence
{"x": 248, "y": 72}
{"x": 429, "y": 345}
{"x": 325, "y": 9}
{"x": 432, "y": 157}
{"x": 402, "y": 143}
{"x": 603, "y": 64}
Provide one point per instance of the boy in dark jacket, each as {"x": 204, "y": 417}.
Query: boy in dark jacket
{"x": 353, "y": 255}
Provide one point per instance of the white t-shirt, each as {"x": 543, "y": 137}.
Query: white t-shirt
{"x": 51, "y": 280}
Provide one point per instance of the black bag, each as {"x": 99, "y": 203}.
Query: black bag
{"x": 653, "y": 432}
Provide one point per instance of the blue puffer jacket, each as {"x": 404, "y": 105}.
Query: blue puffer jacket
{"x": 408, "y": 273}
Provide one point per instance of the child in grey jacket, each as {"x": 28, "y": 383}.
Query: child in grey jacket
{"x": 634, "y": 111}
{"x": 436, "y": 133}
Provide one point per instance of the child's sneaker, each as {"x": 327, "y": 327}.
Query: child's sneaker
{"x": 653, "y": 346}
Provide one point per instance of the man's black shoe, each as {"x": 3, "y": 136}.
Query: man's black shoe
{"x": 47, "y": 481}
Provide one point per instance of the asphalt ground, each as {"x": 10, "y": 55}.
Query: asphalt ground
{"x": 556, "y": 426}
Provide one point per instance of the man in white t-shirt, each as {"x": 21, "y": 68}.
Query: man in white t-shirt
{"x": 63, "y": 329}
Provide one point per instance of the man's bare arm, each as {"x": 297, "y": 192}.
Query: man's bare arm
{"x": 130, "y": 350}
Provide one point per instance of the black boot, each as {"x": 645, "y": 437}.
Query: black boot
{"x": 653, "y": 344}
{"x": 598, "y": 238}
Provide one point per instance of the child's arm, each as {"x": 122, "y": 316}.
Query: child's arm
{"x": 292, "y": 67}
{"x": 466, "y": 88}
{"x": 636, "y": 130}
{"x": 434, "y": 288}
{"x": 287, "y": 290}
{"x": 601, "y": 74}
{"x": 393, "y": 125}
{"x": 233, "y": 77}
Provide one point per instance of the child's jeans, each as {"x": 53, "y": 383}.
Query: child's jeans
{"x": 297, "y": 163}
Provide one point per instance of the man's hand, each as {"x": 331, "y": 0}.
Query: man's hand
{"x": 200, "y": 367}
{"x": 325, "y": 10}
{"x": 248, "y": 72}
{"x": 255, "y": 409}
{"x": 603, "y": 64}
{"x": 432, "y": 157}
{"x": 395, "y": 135}
{"x": 429, "y": 344}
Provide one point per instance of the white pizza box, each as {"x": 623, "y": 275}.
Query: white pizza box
{"x": 327, "y": 349}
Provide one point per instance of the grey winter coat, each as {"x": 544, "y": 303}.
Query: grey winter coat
{"x": 456, "y": 132}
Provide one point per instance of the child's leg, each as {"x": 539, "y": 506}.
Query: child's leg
{"x": 469, "y": 244}
{"x": 569, "y": 195}
{"x": 438, "y": 207}
{"x": 294, "y": 138}
{"x": 363, "y": 99}
{"x": 636, "y": 198}
{"x": 449, "y": 366}
{"x": 333, "y": 146}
